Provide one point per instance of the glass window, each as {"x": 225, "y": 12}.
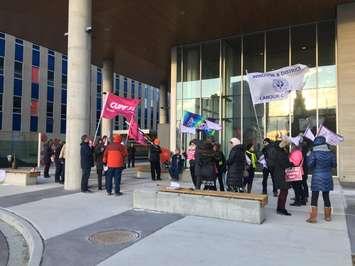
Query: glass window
{"x": 35, "y": 91}
{"x": 50, "y": 93}
{"x": 1, "y": 84}
{"x": 0, "y": 119}
{"x": 277, "y": 56}
{"x": 17, "y": 87}
{"x": 49, "y": 125}
{"x": 35, "y": 57}
{"x": 63, "y": 124}
{"x": 253, "y": 48}
{"x": 63, "y": 111}
{"x": 17, "y": 104}
{"x": 18, "y": 70}
{"x": 99, "y": 77}
{"x": 50, "y": 61}
{"x": 50, "y": 109}
{"x": 232, "y": 91}
{"x": 191, "y": 75}
{"x": 125, "y": 88}
{"x": 2, "y": 47}
{"x": 1, "y": 66}
{"x": 303, "y": 42}
{"x": 210, "y": 69}
{"x": 1, "y": 101}
{"x": 139, "y": 90}
{"x": 16, "y": 122}
{"x": 64, "y": 80}
{"x": 132, "y": 89}
{"x": 18, "y": 52}
{"x": 117, "y": 85}
{"x": 64, "y": 65}
{"x": 34, "y": 124}
{"x": 64, "y": 97}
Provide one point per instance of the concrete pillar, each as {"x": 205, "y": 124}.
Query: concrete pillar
{"x": 173, "y": 77}
{"x": 78, "y": 98}
{"x": 346, "y": 92}
{"x": 107, "y": 86}
{"x": 163, "y": 105}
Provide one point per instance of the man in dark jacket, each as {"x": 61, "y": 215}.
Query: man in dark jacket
{"x": 131, "y": 154}
{"x": 236, "y": 166}
{"x": 87, "y": 161}
{"x": 269, "y": 152}
{"x": 57, "y": 162}
{"x": 154, "y": 158}
{"x": 99, "y": 153}
{"x": 221, "y": 165}
{"x": 47, "y": 154}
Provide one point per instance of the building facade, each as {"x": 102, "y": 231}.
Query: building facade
{"x": 33, "y": 97}
{"x": 210, "y": 79}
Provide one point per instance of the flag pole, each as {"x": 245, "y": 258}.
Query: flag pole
{"x": 256, "y": 115}
{"x": 102, "y": 112}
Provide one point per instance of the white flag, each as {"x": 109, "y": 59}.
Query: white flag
{"x": 185, "y": 129}
{"x": 212, "y": 125}
{"x": 276, "y": 85}
{"x": 331, "y": 137}
{"x": 309, "y": 134}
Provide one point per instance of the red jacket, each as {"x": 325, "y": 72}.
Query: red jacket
{"x": 114, "y": 155}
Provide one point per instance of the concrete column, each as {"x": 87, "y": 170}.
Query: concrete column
{"x": 173, "y": 77}
{"x": 107, "y": 86}
{"x": 346, "y": 92}
{"x": 79, "y": 62}
{"x": 163, "y": 105}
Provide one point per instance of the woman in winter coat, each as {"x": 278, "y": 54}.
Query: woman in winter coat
{"x": 205, "y": 163}
{"x": 236, "y": 166}
{"x": 191, "y": 158}
{"x": 282, "y": 162}
{"x": 321, "y": 161}
{"x": 221, "y": 165}
{"x": 296, "y": 158}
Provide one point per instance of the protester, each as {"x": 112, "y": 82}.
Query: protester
{"x": 62, "y": 161}
{"x": 114, "y": 156}
{"x": 283, "y": 162}
{"x": 205, "y": 165}
{"x": 47, "y": 155}
{"x": 321, "y": 161}
{"x": 296, "y": 158}
{"x": 221, "y": 165}
{"x": 305, "y": 146}
{"x": 269, "y": 152}
{"x": 154, "y": 158}
{"x": 57, "y": 162}
{"x": 99, "y": 153}
{"x": 248, "y": 180}
{"x": 131, "y": 154}
{"x": 191, "y": 150}
{"x": 236, "y": 166}
{"x": 176, "y": 165}
{"x": 87, "y": 161}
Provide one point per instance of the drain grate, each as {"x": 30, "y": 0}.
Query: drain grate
{"x": 114, "y": 237}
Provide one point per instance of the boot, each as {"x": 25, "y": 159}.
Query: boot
{"x": 313, "y": 216}
{"x": 328, "y": 214}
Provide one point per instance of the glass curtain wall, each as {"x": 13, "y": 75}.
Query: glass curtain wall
{"x": 211, "y": 81}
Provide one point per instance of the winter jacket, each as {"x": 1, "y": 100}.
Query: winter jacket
{"x": 47, "y": 153}
{"x": 86, "y": 156}
{"x": 221, "y": 162}
{"x": 270, "y": 154}
{"x": 205, "y": 162}
{"x": 131, "y": 152}
{"x": 236, "y": 166}
{"x": 253, "y": 160}
{"x": 281, "y": 157}
{"x": 154, "y": 153}
{"x": 62, "y": 153}
{"x": 321, "y": 161}
{"x": 114, "y": 155}
{"x": 99, "y": 154}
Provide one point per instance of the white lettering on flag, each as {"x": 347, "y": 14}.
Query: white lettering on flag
{"x": 276, "y": 85}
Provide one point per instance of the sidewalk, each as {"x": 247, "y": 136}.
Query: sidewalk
{"x": 66, "y": 221}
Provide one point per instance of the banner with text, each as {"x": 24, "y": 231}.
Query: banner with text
{"x": 276, "y": 85}
{"x": 116, "y": 105}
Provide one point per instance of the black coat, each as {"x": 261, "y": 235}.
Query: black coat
{"x": 99, "y": 154}
{"x": 236, "y": 165}
{"x": 280, "y": 167}
{"x": 86, "y": 156}
{"x": 154, "y": 153}
{"x": 131, "y": 152}
{"x": 205, "y": 162}
{"x": 47, "y": 153}
{"x": 220, "y": 162}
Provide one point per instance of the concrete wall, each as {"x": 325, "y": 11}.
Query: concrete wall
{"x": 346, "y": 89}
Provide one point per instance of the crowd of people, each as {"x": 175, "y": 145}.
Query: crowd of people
{"x": 280, "y": 160}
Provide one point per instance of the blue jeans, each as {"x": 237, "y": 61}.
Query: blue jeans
{"x": 114, "y": 173}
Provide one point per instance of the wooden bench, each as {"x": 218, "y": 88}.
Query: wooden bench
{"x": 224, "y": 205}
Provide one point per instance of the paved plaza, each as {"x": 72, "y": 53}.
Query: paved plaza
{"x": 66, "y": 221}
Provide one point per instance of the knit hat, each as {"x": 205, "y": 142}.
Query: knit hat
{"x": 235, "y": 141}
{"x": 320, "y": 140}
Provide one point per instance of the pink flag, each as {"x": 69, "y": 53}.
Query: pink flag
{"x": 331, "y": 137}
{"x": 116, "y": 105}
{"x": 134, "y": 132}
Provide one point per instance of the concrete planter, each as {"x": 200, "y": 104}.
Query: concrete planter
{"x": 21, "y": 177}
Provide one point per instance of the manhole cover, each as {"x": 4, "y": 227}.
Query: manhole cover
{"x": 114, "y": 237}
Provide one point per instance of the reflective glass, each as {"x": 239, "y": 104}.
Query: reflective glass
{"x": 210, "y": 69}
{"x": 191, "y": 69}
